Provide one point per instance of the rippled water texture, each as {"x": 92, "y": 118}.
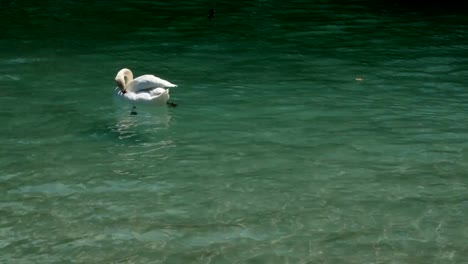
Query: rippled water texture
{"x": 305, "y": 132}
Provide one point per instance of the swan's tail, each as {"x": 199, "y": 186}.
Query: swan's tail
{"x": 163, "y": 83}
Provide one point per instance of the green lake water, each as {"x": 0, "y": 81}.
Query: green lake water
{"x": 305, "y": 132}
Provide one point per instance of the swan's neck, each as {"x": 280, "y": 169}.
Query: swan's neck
{"x": 123, "y": 77}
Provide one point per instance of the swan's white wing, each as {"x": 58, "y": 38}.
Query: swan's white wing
{"x": 151, "y": 96}
{"x": 158, "y": 91}
{"x": 146, "y": 82}
{"x": 160, "y": 95}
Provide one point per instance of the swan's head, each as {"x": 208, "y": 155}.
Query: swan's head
{"x": 123, "y": 77}
{"x": 121, "y": 84}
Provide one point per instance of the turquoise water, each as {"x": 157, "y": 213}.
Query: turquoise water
{"x": 304, "y": 133}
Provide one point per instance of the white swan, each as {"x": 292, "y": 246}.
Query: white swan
{"x": 146, "y": 89}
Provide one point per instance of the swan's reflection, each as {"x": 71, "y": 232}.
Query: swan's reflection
{"x": 146, "y": 135}
{"x": 149, "y": 122}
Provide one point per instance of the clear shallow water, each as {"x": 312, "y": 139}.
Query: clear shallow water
{"x": 275, "y": 154}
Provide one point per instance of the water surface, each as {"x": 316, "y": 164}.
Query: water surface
{"x": 304, "y": 133}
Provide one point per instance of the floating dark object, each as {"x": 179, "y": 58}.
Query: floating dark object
{"x": 211, "y": 15}
{"x": 171, "y": 104}
{"x": 133, "y": 112}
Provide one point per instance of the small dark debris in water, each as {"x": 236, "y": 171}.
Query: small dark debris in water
{"x": 211, "y": 15}
{"x": 133, "y": 112}
{"x": 171, "y": 104}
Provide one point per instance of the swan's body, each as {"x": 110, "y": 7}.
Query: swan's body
{"x": 146, "y": 89}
